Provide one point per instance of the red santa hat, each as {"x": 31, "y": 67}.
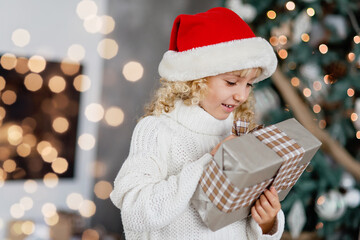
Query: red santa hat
{"x": 214, "y": 42}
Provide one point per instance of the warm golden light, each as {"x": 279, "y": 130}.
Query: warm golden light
{"x": 8, "y": 61}
{"x": 316, "y": 108}
{"x": 53, "y": 220}
{"x": 326, "y": 79}
{"x": 90, "y": 234}
{"x": 85, "y": 9}
{"x": 2, "y": 113}
{"x": 28, "y": 227}
{"x": 30, "y": 186}
{"x": 37, "y": 64}
{"x": 15, "y": 135}
{"x": 354, "y": 117}
{"x": 307, "y": 92}
{"x": 69, "y": 67}
{"x": 99, "y": 169}
{"x": 42, "y": 145}
{"x": 107, "y": 24}
{"x": 114, "y": 116}
{"x": 107, "y": 48}
{"x": 57, "y": 84}
{"x": 283, "y": 53}
{"x": 357, "y": 39}
{"x": 322, "y": 124}
{"x": 22, "y": 65}
{"x": 20, "y": 37}
{"x": 320, "y": 200}
{"x": 49, "y": 154}
{"x": 358, "y": 134}
{"x": 59, "y": 165}
{"x": 310, "y": 12}
{"x": 290, "y": 5}
{"x": 8, "y": 97}
{"x": 133, "y": 71}
{"x": 282, "y": 39}
{"x": 76, "y": 52}
{"x": 48, "y": 209}
{"x": 27, "y": 203}
{"x": 82, "y": 83}
{"x": 274, "y": 41}
{"x": 74, "y": 201}
{"x": 305, "y": 37}
{"x": 323, "y": 48}
{"x": 271, "y": 14}
{"x": 94, "y": 112}
{"x": 23, "y": 150}
{"x": 2, "y": 83}
{"x": 60, "y": 124}
{"x": 51, "y": 180}
{"x": 87, "y": 208}
{"x": 9, "y": 165}
{"x": 102, "y": 189}
{"x": 17, "y": 211}
{"x": 92, "y": 24}
{"x": 86, "y": 141}
{"x": 33, "y": 82}
{"x": 30, "y": 139}
{"x": 350, "y": 92}
{"x": 351, "y": 57}
{"x": 319, "y": 225}
{"x": 317, "y": 85}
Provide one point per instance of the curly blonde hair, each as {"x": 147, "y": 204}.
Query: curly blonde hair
{"x": 191, "y": 93}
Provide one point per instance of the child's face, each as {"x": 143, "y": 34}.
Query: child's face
{"x": 226, "y": 92}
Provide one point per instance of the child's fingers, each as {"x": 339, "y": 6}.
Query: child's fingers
{"x": 265, "y": 204}
{"x": 255, "y": 215}
{"x": 273, "y": 198}
{"x": 261, "y": 211}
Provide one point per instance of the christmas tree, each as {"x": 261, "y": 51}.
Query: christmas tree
{"x": 317, "y": 82}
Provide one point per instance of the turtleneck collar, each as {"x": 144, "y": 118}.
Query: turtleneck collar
{"x": 198, "y": 120}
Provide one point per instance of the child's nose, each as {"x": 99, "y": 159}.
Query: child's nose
{"x": 240, "y": 95}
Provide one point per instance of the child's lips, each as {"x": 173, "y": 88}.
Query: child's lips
{"x": 228, "y": 107}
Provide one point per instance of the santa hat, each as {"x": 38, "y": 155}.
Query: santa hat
{"x": 214, "y": 42}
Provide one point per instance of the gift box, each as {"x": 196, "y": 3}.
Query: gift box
{"x": 245, "y": 166}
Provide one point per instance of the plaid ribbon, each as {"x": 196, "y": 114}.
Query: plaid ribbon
{"x": 227, "y": 197}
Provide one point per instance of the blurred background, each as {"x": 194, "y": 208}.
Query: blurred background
{"x": 75, "y": 75}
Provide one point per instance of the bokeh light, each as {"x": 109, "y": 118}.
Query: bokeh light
{"x": 33, "y": 82}
{"x": 23, "y": 150}
{"x": 76, "y": 52}
{"x": 102, "y": 189}
{"x": 2, "y": 113}
{"x": 90, "y": 234}
{"x": 49, "y": 154}
{"x": 60, "y": 124}
{"x": 133, "y": 71}
{"x": 271, "y": 14}
{"x": 8, "y": 97}
{"x": 282, "y": 39}
{"x": 30, "y": 186}
{"x": 107, "y": 24}
{"x": 317, "y": 85}
{"x": 290, "y": 5}
{"x": 350, "y": 92}
{"x": 94, "y": 112}
{"x": 22, "y": 65}
{"x": 53, "y": 220}
{"x": 316, "y": 108}
{"x": 8, "y": 61}
{"x": 48, "y": 209}
{"x": 92, "y": 24}
{"x": 74, "y": 200}
{"x": 354, "y": 117}
{"x": 9, "y": 165}
{"x": 57, "y": 84}
{"x": 15, "y": 135}
{"x": 307, "y": 92}
{"x": 86, "y": 141}
{"x": 357, "y": 39}
{"x": 60, "y": 165}
{"x": 37, "y": 64}
{"x": 17, "y": 211}
{"x": 28, "y": 227}
{"x": 351, "y": 57}
{"x": 85, "y": 9}
{"x": 274, "y": 41}
{"x": 51, "y": 180}
{"x": 310, "y": 12}
{"x": 107, "y": 48}
{"x": 114, "y": 116}
{"x": 20, "y": 37}
{"x": 2, "y": 83}
{"x": 82, "y": 83}
{"x": 27, "y": 203}
{"x": 283, "y": 53}
{"x": 358, "y": 134}
{"x": 87, "y": 208}
{"x": 305, "y": 37}
{"x": 69, "y": 67}
{"x": 323, "y": 48}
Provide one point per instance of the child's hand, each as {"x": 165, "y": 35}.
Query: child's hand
{"x": 217, "y": 146}
{"x": 265, "y": 209}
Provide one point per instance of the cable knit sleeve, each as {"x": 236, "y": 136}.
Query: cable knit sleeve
{"x": 254, "y": 231}
{"x": 147, "y": 197}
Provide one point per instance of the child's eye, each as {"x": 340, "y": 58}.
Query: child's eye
{"x": 250, "y": 85}
{"x": 230, "y": 83}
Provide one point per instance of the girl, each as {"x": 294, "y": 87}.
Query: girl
{"x": 207, "y": 76}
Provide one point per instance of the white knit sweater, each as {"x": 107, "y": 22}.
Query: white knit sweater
{"x": 156, "y": 182}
